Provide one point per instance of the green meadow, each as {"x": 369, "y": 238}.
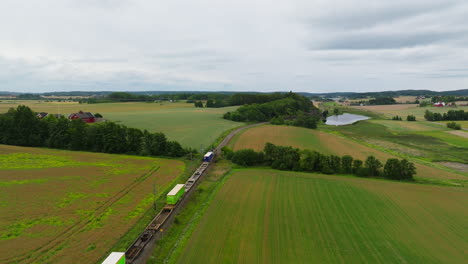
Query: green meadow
{"x": 267, "y": 216}
{"x": 192, "y": 127}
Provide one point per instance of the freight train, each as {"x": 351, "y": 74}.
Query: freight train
{"x": 173, "y": 199}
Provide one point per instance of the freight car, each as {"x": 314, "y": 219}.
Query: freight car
{"x": 173, "y": 199}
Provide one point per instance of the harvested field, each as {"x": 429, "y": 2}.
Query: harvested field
{"x": 405, "y": 126}
{"x": 404, "y": 110}
{"x": 456, "y": 166}
{"x": 460, "y": 133}
{"x": 326, "y": 143}
{"x": 68, "y": 207}
{"x": 267, "y": 216}
{"x": 386, "y": 108}
{"x": 405, "y": 99}
{"x": 190, "y": 126}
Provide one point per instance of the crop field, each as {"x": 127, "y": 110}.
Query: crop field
{"x": 404, "y": 110}
{"x": 327, "y": 143}
{"x": 405, "y": 99}
{"x": 72, "y": 207}
{"x": 290, "y": 217}
{"x": 190, "y": 126}
{"x": 405, "y": 126}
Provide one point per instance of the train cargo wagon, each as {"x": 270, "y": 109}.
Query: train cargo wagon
{"x": 115, "y": 258}
{"x": 208, "y": 156}
{"x": 175, "y": 194}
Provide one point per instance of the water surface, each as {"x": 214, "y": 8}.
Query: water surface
{"x": 344, "y": 119}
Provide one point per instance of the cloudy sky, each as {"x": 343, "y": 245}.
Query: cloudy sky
{"x": 241, "y": 45}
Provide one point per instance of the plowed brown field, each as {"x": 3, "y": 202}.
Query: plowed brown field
{"x": 71, "y": 207}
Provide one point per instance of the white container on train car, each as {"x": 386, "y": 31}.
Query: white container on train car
{"x": 176, "y": 189}
{"x": 115, "y": 258}
{"x": 208, "y": 156}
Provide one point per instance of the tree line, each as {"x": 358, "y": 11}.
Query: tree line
{"x": 22, "y": 127}
{"x": 213, "y": 100}
{"x": 451, "y": 115}
{"x": 293, "y": 159}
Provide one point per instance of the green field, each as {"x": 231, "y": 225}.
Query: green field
{"x": 267, "y": 216}
{"x": 61, "y": 206}
{"x": 404, "y": 110}
{"x": 420, "y": 139}
{"x": 192, "y": 127}
{"x": 331, "y": 143}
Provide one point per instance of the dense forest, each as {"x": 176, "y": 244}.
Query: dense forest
{"x": 292, "y": 109}
{"x": 451, "y": 115}
{"x": 289, "y": 158}
{"x": 22, "y": 127}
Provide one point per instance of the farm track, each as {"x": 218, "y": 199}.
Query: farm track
{"x": 77, "y": 227}
{"x": 229, "y": 137}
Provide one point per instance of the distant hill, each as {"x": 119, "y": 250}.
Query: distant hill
{"x": 463, "y": 92}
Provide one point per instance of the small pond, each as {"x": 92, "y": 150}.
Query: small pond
{"x": 344, "y": 119}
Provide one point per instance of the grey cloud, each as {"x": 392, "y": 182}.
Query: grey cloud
{"x": 368, "y": 41}
{"x": 370, "y": 14}
{"x": 238, "y": 45}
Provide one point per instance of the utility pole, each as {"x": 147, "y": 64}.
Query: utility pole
{"x": 154, "y": 196}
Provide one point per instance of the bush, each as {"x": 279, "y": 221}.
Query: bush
{"x": 399, "y": 170}
{"x": 247, "y": 157}
{"x": 453, "y": 125}
{"x": 398, "y": 118}
{"x": 411, "y": 118}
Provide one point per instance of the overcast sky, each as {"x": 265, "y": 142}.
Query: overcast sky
{"x": 241, "y": 45}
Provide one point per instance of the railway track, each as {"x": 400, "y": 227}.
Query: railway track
{"x": 142, "y": 247}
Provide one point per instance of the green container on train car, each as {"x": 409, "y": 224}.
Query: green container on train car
{"x": 175, "y": 194}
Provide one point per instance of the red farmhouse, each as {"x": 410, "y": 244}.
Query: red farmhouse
{"x": 86, "y": 117}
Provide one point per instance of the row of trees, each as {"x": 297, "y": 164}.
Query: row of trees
{"x": 382, "y": 101}
{"x": 212, "y": 99}
{"x": 451, "y": 115}
{"x": 302, "y": 120}
{"x": 21, "y": 127}
{"x": 288, "y": 158}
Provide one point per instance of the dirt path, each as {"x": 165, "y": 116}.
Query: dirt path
{"x": 458, "y": 133}
{"x": 229, "y": 137}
